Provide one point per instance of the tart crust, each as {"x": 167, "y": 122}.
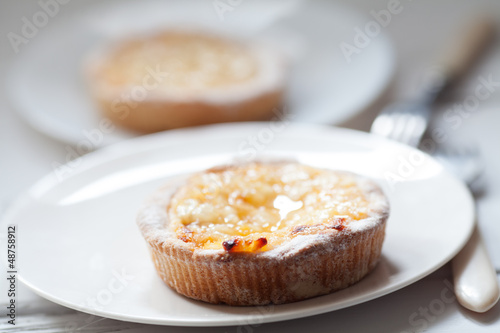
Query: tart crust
{"x": 304, "y": 266}
{"x": 182, "y": 78}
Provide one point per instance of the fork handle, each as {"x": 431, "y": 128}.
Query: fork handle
{"x": 471, "y": 43}
{"x": 475, "y": 279}
{"x": 457, "y": 58}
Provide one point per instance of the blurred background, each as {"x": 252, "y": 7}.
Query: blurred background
{"x": 325, "y": 62}
{"x": 344, "y": 61}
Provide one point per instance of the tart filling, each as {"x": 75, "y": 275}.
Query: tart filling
{"x": 181, "y": 65}
{"x": 257, "y": 207}
{"x": 192, "y": 61}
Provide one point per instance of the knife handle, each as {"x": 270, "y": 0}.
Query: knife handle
{"x": 475, "y": 279}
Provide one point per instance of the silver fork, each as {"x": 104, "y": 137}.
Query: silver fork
{"x": 403, "y": 122}
{"x": 407, "y": 122}
{"x": 475, "y": 280}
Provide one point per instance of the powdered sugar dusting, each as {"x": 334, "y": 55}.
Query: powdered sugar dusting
{"x": 153, "y": 221}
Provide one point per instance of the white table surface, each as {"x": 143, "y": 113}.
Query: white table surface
{"x": 417, "y": 32}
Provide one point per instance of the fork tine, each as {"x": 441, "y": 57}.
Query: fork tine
{"x": 407, "y": 131}
{"x": 400, "y": 122}
{"x": 382, "y": 125}
{"x": 405, "y": 123}
{"x": 415, "y": 127}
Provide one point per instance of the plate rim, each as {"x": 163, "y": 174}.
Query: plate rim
{"x": 116, "y": 150}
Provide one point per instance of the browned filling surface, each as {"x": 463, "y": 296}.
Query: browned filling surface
{"x": 258, "y": 206}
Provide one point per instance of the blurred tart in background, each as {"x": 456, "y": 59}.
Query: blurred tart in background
{"x": 177, "y": 79}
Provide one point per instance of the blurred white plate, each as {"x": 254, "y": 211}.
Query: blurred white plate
{"x": 79, "y": 234}
{"x": 48, "y": 90}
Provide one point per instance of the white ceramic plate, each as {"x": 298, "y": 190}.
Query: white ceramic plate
{"x": 47, "y": 86}
{"x": 78, "y": 234}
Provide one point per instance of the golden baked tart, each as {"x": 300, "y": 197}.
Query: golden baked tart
{"x": 261, "y": 233}
{"x": 177, "y": 79}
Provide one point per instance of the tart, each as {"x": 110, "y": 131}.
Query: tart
{"x": 176, "y": 79}
{"x": 262, "y": 233}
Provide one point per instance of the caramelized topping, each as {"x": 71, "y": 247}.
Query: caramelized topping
{"x": 338, "y": 223}
{"x": 185, "y": 235}
{"x": 257, "y": 206}
{"x": 299, "y": 228}
{"x": 244, "y": 245}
